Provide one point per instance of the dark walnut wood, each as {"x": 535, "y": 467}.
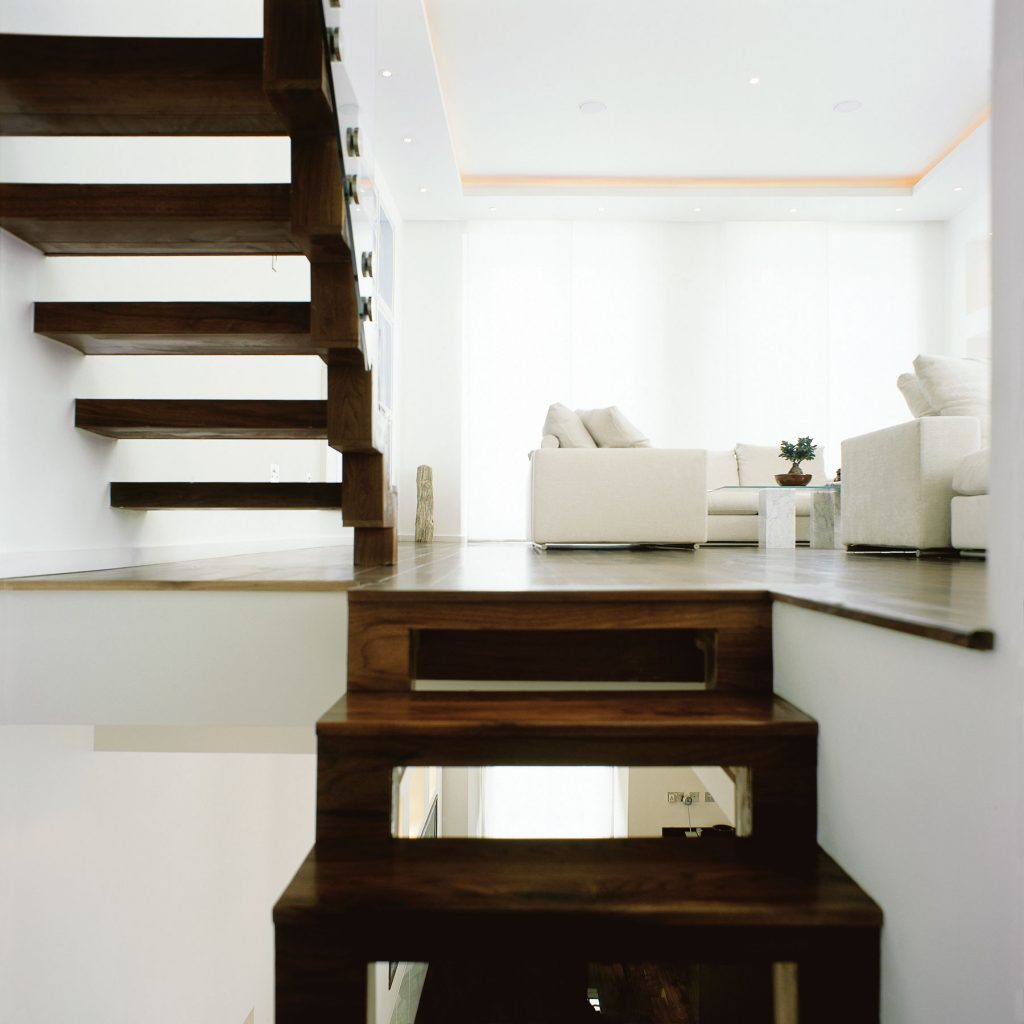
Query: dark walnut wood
{"x": 91, "y": 85}
{"x": 279, "y": 496}
{"x": 469, "y": 901}
{"x": 296, "y": 69}
{"x": 364, "y": 736}
{"x": 149, "y": 220}
{"x": 637, "y": 655}
{"x": 178, "y": 328}
{"x": 194, "y": 418}
{"x": 334, "y": 316}
{"x": 383, "y": 625}
{"x": 352, "y": 423}
{"x": 369, "y": 491}
{"x": 376, "y": 545}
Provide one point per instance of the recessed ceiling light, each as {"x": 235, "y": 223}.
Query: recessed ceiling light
{"x": 696, "y": 209}
{"x": 386, "y": 73}
{"x": 754, "y": 81}
{"x": 847, "y": 106}
{"x": 600, "y": 209}
{"x": 492, "y": 209}
{"x": 958, "y": 188}
{"x": 792, "y": 209}
{"x": 407, "y": 138}
{"x": 593, "y": 107}
{"x": 899, "y": 209}
{"x": 423, "y": 188}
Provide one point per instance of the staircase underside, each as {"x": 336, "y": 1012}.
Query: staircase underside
{"x": 93, "y": 85}
{"x": 188, "y": 419}
{"x": 179, "y": 328}
{"x": 150, "y": 220}
{"x": 241, "y": 495}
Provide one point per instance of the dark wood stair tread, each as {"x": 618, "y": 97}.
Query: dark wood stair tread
{"x": 92, "y": 85}
{"x": 202, "y": 418}
{"x": 214, "y": 495}
{"x": 178, "y": 328}
{"x": 613, "y": 715}
{"x": 145, "y": 220}
{"x": 448, "y": 896}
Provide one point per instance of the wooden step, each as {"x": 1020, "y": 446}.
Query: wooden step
{"x": 149, "y": 220}
{"x": 279, "y": 496}
{"x": 771, "y": 746}
{"x": 391, "y": 630}
{"x": 92, "y": 85}
{"x": 191, "y": 328}
{"x": 579, "y": 900}
{"x": 509, "y": 992}
{"x": 202, "y": 418}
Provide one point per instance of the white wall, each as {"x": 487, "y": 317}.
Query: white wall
{"x": 969, "y": 277}
{"x": 139, "y": 886}
{"x": 429, "y": 364}
{"x": 704, "y": 334}
{"x": 917, "y": 800}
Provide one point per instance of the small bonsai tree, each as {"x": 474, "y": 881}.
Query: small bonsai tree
{"x": 802, "y": 451}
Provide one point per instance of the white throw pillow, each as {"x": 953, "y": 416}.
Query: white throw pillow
{"x": 564, "y": 424}
{"x": 955, "y": 387}
{"x": 971, "y": 476}
{"x": 917, "y": 401}
{"x": 549, "y": 441}
{"x": 610, "y": 429}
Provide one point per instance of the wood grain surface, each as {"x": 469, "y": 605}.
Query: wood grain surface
{"x": 92, "y": 85}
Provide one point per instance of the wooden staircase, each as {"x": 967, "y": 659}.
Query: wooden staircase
{"x": 280, "y": 85}
{"x": 732, "y": 912}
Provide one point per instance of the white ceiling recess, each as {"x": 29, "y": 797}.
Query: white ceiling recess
{"x": 490, "y": 94}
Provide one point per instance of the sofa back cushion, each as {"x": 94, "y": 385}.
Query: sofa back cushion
{"x": 957, "y": 387}
{"x": 758, "y": 464}
{"x": 913, "y": 393}
{"x": 610, "y": 429}
{"x": 722, "y": 471}
{"x": 564, "y": 424}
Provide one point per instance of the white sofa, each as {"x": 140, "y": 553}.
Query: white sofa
{"x": 654, "y": 495}
{"x": 923, "y": 485}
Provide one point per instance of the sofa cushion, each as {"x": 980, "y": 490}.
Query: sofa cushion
{"x": 722, "y": 471}
{"x": 549, "y": 441}
{"x": 738, "y": 502}
{"x": 610, "y": 429}
{"x": 564, "y": 424}
{"x": 957, "y": 387}
{"x": 971, "y": 476}
{"x": 758, "y": 464}
{"x": 912, "y": 391}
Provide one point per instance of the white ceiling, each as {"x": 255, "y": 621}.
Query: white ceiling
{"x": 491, "y": 90}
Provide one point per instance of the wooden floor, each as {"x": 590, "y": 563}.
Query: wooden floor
{"x": 941, "y": 599}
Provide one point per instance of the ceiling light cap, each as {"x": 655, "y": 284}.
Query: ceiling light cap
{"x": 847, "y": 106}
{"x": 754, "y": 80}
{"x": 386, "y": 72}
{"x": 593, "y": 107}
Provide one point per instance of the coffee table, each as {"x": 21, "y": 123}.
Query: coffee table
{"x": 776, "y": 520}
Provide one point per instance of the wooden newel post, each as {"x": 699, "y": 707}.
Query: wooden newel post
{"x": 424, "y": 504}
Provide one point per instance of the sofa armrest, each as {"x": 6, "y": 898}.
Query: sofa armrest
{"x": 618, "y": 496}
{"x": 898, "y": 482}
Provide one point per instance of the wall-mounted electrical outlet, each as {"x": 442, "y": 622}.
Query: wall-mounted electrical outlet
{"x": 275, "y": 473}
{"x": 708, "y": 798}
{"x": 675, "y": 798}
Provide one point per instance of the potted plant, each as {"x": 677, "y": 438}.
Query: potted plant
{"x": 802, "y": 450}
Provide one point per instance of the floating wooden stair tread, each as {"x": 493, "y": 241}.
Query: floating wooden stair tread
{"x": 90, "y": 85}
{"x": 147, "y": 220}
{"x": 202, "y": 418}
{"x": 280, "y": 496}
{"x": 566, "y": 717}
{"x": 450, "y": 897}
{"x": 178, "y": 328}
